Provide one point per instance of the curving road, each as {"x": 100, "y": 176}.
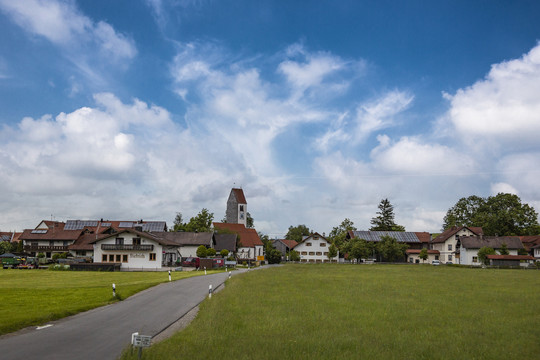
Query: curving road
{"x": 104, "y": 332}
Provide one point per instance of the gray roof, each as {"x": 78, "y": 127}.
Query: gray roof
{"x": 225, "y": 241}
{"x": 400, "y": 236}
{"x": 495, "y": 242}
{"x": 186, "y": 238}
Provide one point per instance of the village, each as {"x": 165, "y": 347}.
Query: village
{"x": 148, "y": 245}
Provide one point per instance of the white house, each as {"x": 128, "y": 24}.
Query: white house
{"x": 132, "y": 249}
{"x": 413, "y": 256}
{"x": 186, "y": 243}
{"x": 314, "y": 249}
{"x": 448, "y": 243}
{"x": 471, "y": 244}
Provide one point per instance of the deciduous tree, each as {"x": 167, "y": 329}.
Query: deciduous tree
{"x": 390, "y": 249}
{"x": 201, "y": 251}
{"x": 483, "y": 253}
{"x": 338, "y": 235}
{"x": 296, "y": 233}
{"x": 423, "y": 254}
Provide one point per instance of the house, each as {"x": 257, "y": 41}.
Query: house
{"x": 250, "y": 247}
{"x": 314, "y": 249}
{"x": 75, "y": 236}
{"x": 185, "y": 244}
{"x": 284, "y": 246}
{"x": 133, "y": 249}
{"x": 536, "y": 252}
{"x": 471, "y": 244}
{"x": 12, "y": 236}
{"x": 225, "y": 242}
{"x": 510, "y": 260}
{"x": 529, "y": 243}
{"x": 236, "y": 212}
{"x": 413, "y": 256}
{"x": 448, "y": 243}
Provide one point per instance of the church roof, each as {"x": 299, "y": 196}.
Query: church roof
{"x": 239, "y": 195}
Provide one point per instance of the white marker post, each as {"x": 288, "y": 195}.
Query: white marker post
{"x": 230, "y": 273}
{"x": 113, "y": 290}
{"x": 210, "y": 291}
{"x": 205, "y": 270}
{"x": 169, "y": 275}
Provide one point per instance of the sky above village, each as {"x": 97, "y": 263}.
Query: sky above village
{"x": 138, "y": 109}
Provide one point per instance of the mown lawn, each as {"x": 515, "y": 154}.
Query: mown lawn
{"x": 328, "y": 311}
{"x": 33, "y": 297}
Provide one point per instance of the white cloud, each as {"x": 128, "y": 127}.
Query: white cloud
{"x": 79, "y": 37}
{"x": 503, "y": 109}
{"x": 503, "y": 188}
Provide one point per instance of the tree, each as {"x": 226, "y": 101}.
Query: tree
{"x": 296, "y": 233}
{"x": 201, "y": 251}
{"x": 384, "y": 221}
{"x": 483, "y": 253}
{"x": 332, "y": 251}
{"x": 338, "y": 235}
{"x": 504, "y": 249}
{"x": 5, "y": 247}
{"x": 294, "y": 256}
{"x": 224, "y": 253}
{"x": 423, "y": 254}
{"x": 178, "y": 222}
{"x": 390, "y": 249}
{"x": 357, "y": 249}
{"x": 200, "y": 223}
{"x": 210, "y": 252}
{"x": 273, "y": 256}
{"x": 249, "y": 221}
{"x": 502, "y": 214}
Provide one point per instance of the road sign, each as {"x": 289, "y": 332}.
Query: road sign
{"x": 142, "y": 340}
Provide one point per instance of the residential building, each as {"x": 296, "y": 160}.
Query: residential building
{"x": 284, "y": 246}
{"x": 413, "y": 256}
{"x": 185, "y": 244}
{"x": 511, "y": 260}
{"x": 225, "y": 242}
{"x": 448, "y": 243}
{"x": 469, "y": 246}
{"x": 314, "y": 249}
{"x": 414, "y": 240}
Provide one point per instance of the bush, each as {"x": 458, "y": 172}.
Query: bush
{"x": 201, "y": 251}
{"x": 224, "y": 253}
{"x": 210, "y": 252}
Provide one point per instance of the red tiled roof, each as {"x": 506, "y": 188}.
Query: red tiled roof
{"x": 529, "y": 242}
{"x": 510, "y": 257}
{"x": 290, "y": 243}
{"x": 424, "y": 237}
{"x": 239, "y": 194}
{"x": 51, "y": 234}
{"x": 247, "y": 237}
{"x": 453, "y": 230}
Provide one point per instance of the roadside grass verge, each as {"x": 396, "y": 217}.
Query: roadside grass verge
{"x": 328, "y": 311}
{"x": 34, "y": 297}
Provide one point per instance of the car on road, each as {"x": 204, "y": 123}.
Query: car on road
{"x": 435, "y": 262}
{"x": 192, "y": 262}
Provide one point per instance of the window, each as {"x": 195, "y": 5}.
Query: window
{"x": 449, "y": 247}
{"x": 436, "y": 257}
{"x": 119, "y": 241}
{"x": 241, "y": 207}
{"x": 312, "y": 253}
{"x": 449, "y": 257}
{"x": 111, "y": 258}
{"x": 323, "y": 244}
{"x": 118, "y": 258}
{"x": 326, "y": 254}
{"x": 304, "y": 252}
{"x": 136, "y": 241}
{"x": 319, "y": 253}
{"x": 152, "y": 256}
{"x": 475, "y": 259}
{"x": 315, "y": 238}
{"x": 104, "y": 258}
{"x": 124, "y": 258}
{"x": 308, "y": 244}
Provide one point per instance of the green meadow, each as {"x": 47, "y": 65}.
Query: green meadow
{"x": 33, "y": 297}
{"x": 330, "y": 311}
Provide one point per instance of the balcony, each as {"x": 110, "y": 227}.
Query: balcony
{"x": 41, "y": 248}
{"x": 127, "y": 247}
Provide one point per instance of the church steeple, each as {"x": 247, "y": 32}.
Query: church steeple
{"x": 236, "y": 207}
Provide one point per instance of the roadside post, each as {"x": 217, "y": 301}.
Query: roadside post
{"x": 169, "y": 275}
{"x": 140, "y": 341}
{"x": 230, "y": 272}
{"x": 113, "y": 290}
{"x": 210, "y": 291}
{"x": 205, "y": 270}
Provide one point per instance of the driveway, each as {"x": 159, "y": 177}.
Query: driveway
{"x": 104, "y": 332}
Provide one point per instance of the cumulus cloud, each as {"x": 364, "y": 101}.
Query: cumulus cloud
{"x": 503, "y": 109}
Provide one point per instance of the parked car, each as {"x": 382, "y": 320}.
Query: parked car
{"x": 192, "y": 262}
{"x": 435, "y": 262}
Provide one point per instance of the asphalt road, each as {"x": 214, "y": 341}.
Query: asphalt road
{"x": 104, "y": 332}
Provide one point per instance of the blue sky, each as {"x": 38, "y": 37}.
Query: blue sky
{"x": 139, "y": 109}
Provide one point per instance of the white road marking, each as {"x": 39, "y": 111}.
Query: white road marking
{"x": 43, "y": 327}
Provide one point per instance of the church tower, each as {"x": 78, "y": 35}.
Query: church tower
{"x": 236, "y": 207}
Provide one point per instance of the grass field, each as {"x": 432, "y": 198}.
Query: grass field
{"x": 365, "y": 311}
{"x": 33, "y": 297}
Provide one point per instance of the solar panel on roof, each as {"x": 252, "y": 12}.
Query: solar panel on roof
{"x": 107, "y": 224}
{"x": 154, "y": 226}
{"x": 125, "y": 224}
{"x": 39, "y": 231}
{"x": 408, "y": 237}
